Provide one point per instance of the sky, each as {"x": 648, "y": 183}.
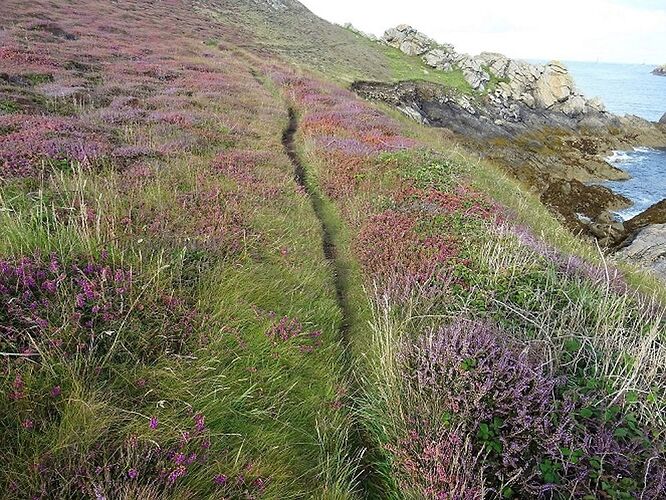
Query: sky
{"x": 626, "y": 31}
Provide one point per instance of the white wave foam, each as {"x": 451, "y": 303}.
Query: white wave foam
{"x": 618, "y": 157}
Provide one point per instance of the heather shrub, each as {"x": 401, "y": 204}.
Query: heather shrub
{"x": 33, "y": 141}
{"x": 86, "y": 307}
{"x": 438, "y": 465}
{"x": 398, "y": 258}
{"x": 539, "y": 434}
{"x": 157, "y": 459}
{"x": 207, "y": 219}
{"x": 599, "y": 331}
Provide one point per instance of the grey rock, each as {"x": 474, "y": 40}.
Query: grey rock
{"x": 663, "y": 119}
{"x": 439, "y": 58}
{"x": 473, "y": 71}
{"x": 648, "y": 250}
{"x": 599, "y": 230}
{"x": 554, "y": 85}
{"x": 496, "y": 63}
{"x": 278, "y": 5}
{"x": 660, "y": 71}
{"x": 574, "y": 106}
{"x": 528, "y": 99}
{"x": 604, "y": 218}
{"x": 617, "y": 227}
{"x": 597, "y": 104}
{"x": 408, "y": 40}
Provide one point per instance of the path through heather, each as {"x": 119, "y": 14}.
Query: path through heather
{"x": 370, "y": 480}
{"x": 328, "y": 242}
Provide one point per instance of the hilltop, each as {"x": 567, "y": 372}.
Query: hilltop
{"x": 224, "y": 273}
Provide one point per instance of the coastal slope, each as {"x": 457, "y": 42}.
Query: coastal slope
{"x": 225, "y": 274}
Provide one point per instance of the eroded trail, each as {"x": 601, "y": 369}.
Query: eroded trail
{"x": 328, "y": 242}
{"x": 370, "y": 481}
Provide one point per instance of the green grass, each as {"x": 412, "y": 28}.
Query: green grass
{"x": 269, "y": 407}
{"x": 8, "y": 107}
{"x": 404, "y": 67}
{"x": 300, "y": 420}
{"x": 332, "y": 51}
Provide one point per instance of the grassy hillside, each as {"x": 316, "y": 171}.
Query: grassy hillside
{"x": 224, "y": 276}
{"x": 309, "y": 42}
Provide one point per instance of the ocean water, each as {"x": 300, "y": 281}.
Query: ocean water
{"x": 630, "y": 89}
{"x": 626, "y": 89}
{"x": 647, "y": 185}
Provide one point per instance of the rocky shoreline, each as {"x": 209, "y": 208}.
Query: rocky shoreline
{"x": 660, "y": 71}
{"x": 559, "y": 157}
{"x": 533, "y": 122}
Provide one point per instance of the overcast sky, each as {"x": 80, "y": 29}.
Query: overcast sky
{"x": 571, "y": 30}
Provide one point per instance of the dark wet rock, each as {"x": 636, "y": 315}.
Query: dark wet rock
{"x": 656, "y": 214}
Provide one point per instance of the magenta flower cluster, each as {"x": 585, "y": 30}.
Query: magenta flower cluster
{"x": 38, "y": 297}
{"x": 474, "y": 384}
{"x": 28, "y": 141}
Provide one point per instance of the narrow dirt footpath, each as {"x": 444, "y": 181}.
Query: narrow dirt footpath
{"x": 370, "y": 481}
{"x": 328, "y": 243}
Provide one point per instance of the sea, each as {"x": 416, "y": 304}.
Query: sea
{"x": 630, "y": 89}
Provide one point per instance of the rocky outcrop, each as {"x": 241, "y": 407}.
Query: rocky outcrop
{"x": 647, "y": 249}
{"x": 607, "y": 229}
{"x": 547, "y": 86}
{"x": 656, "y": 214}
{"x": 408, "y": 40}
{"x": 543, "y": 87}
{"x": 497, "y": 115}
{"x": 660, "y": 71}
{"x": 662, "y": 120}
{"x": 555, "y": 85}
{"x": 645, "y": 240}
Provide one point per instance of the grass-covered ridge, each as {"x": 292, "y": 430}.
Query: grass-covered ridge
{"x": 310, "y": 43}
{"x": 172, "y": 326}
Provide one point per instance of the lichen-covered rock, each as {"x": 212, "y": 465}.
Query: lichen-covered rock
{"x": 440, "y": 58}
{"x": 553, "y": 86}
{"x": 496, "y": 63}
{"x": 408, "y": 40}
{"x": 576, "y": 105}
{"x": 597, "y": 104}
{"x": 473, "y": 71}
